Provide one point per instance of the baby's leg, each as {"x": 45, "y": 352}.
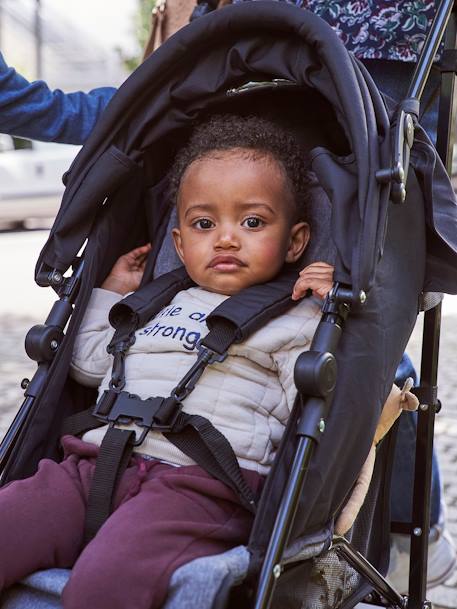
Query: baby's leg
{"x": 178, "y": 515}
{"x": 41, "y": 520}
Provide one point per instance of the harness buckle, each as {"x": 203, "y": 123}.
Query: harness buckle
{"x": 123, "y": 408}
{"x": 205, "y": 357}
{"x": 208, "y": 354}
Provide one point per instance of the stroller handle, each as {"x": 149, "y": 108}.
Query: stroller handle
{"x": 430, "y": 49}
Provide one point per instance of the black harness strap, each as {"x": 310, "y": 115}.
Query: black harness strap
{"x": 115, "y": 452}
{"x": 81, "y": 422}
{"x": 236, "y": 318}
{"x": 209, "y": 448}
{"x": 136, "y": 310}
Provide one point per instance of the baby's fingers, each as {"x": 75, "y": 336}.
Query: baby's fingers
{"x": 300, "y": 288}
{"x": 318, "y": 267}
{"x": 141, "y": 251}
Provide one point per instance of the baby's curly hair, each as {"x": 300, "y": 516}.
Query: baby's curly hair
{"x": 251, "y": 133}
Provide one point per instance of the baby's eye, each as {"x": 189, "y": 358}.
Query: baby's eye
{"x": 203, "y": 224}
{"x": 252, "y": 222}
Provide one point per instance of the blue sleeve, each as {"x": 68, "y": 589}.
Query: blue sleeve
{"x": 32, "y": 110}
{"x": 404, "y": 370}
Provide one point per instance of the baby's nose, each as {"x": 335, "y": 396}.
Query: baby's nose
{"x": 227, "y": 238}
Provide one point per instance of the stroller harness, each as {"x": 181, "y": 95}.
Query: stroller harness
{"x": 232, "y": 321}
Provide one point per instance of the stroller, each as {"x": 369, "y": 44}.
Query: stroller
{"x": 285, "y": 63}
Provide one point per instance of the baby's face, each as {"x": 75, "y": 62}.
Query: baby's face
{"x": 235, "y": 227}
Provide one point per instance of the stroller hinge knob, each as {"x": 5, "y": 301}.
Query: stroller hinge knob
{"x": 42, "y": 342}
{"x": 277, "y": 571}
{"x": 56, "y": 278}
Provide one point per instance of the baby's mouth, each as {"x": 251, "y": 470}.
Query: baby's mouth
{"x": 226, "y": 263}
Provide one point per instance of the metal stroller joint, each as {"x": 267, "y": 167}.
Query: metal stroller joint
{"x": 315, "y": 373}
{"x": 403, "y": 142}
{"x": 43, "y": 340}
{"x": 338, "y": 302}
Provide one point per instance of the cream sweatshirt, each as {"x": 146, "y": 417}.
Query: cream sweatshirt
{"x": 248, "y": 397}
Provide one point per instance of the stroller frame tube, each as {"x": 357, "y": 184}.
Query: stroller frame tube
{"x": 311, "y": 426}
{"x": 362, "y": 566}
{"x": 424, "y": 64}
{"x": 42, "y": 344}
{"x": 420, "y": 524}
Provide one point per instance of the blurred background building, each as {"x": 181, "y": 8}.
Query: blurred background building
{"x": 72, "y": 45}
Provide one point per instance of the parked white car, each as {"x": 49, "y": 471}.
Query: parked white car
{"x": 31, "y": 179}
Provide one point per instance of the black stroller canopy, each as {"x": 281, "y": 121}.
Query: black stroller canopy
{"x": 249, "y": 42}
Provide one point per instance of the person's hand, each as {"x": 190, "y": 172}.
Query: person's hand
{"x": 127, "y": 272}
{"x": 397, "y": 401}
{"x": 317, "y": 277}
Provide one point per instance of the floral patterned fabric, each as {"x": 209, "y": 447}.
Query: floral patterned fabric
{"x": 376, "y": 29}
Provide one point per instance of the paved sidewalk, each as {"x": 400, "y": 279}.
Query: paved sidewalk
{"x": 14, "y": 365}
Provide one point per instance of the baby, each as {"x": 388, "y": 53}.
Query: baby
{"x": 240, "y": 188}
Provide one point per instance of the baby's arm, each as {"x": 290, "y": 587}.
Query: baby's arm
{"x": 284, "y": 359}
{"x": 90, "y": 360}
{"x": 317, "y": 277}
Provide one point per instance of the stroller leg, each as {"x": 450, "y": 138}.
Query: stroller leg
{"x": 362, "y": 566}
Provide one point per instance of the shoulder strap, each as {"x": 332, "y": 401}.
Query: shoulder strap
{"x": 235, "y": 319}
{"x": 136, "y": 309}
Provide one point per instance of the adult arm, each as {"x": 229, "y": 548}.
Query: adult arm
{"x": 32, "y": 110}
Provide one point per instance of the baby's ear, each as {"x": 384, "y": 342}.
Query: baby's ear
{"x": 298, "y": 240}
{"x": 176, "y": 233}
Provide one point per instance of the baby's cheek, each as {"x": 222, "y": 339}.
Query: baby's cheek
{"x": 272, "y": 252}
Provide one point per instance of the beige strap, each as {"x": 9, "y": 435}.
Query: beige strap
{"x": 167, "y": 17}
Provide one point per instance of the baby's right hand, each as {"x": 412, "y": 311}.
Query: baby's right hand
{"x": 127, "y": 272}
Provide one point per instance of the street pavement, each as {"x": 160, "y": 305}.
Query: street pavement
{"x": 22, "y": 304}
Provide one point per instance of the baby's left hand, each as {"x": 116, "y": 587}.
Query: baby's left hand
{"x": 317, "y": 277}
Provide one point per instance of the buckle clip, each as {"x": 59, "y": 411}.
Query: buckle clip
{"x": 205, "y": 357}
{"x": 123, "y": 408}
{"x": 208, "y": 355}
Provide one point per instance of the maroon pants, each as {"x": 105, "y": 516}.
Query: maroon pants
{"x": 163, "y": 517}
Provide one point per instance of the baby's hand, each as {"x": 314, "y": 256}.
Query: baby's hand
{"x": 317, "y": 277}
{"x": 127, "y": 272}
